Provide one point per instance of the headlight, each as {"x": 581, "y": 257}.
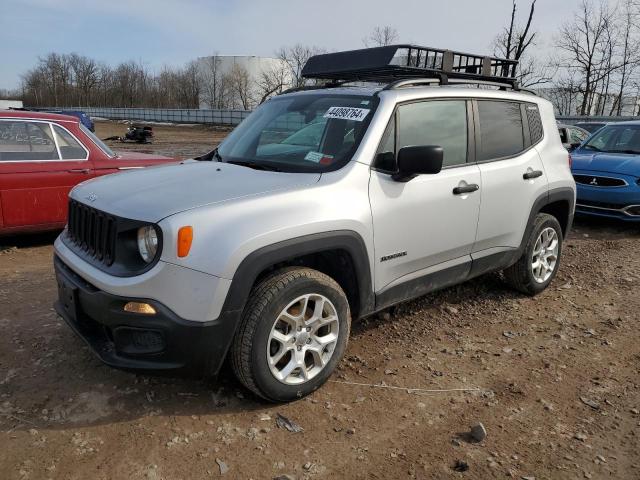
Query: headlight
{"x": 148, "y": 243}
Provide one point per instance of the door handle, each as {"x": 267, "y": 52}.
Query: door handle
{"x": 80, "y": 170}
{"x": 472, "y": 187}
{"x": 530, "y": 175}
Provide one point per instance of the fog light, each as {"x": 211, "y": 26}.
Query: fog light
{"x": 634, "y": 210}
{"x": 142, "y": 308}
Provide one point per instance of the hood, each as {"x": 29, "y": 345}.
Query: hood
{"x": 141, "y": 156}
{"x": 622, "y": 163}
{"x": 154, "y": 193}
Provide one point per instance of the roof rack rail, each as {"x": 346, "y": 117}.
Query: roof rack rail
{"x": 401, "y": 62}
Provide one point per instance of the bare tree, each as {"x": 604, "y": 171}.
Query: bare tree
{"x": 85, "y": 72}
{"x": 381, "y": 36}
{"x": 296, "y": 57}
{"x": 214, "y": 84}
{"x": 630, "y": 51}
{"x": 271, "y": 81}
{"x": 240, "y": 85}
{"x": 586, "y": 45}
{"x": 514, "y": 43}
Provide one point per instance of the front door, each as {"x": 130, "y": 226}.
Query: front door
{"x": 37, "y": 169}
{"x": 425, "y": 225}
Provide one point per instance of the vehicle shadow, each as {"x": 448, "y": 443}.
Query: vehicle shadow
{"x": 602, "y": 228}
{"x": 28, "y": 240}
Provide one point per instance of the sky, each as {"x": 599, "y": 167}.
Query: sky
{"x": 172, "y": 32}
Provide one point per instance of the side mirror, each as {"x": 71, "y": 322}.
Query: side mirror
{"x": 418, "y": 160}
{"x": 573, "y": 146}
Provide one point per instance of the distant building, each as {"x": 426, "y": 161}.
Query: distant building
{"x": 240, "y": 81}
{"x": 6, "y": 104}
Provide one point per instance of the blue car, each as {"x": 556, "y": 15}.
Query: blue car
{"x": 83, "y": 117}
{"x": 606, "y": 168}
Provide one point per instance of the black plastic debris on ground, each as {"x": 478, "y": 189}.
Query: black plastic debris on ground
{"x": 284, "y": 422}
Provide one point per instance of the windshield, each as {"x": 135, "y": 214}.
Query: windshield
{"x": 303, "y": 133}
{"x": 615, "y": 139}
{"x": 97, "y": 141}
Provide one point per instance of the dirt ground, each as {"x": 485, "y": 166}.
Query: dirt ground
{"x": 180, "y": 142}
{"x": 555, "y": 380}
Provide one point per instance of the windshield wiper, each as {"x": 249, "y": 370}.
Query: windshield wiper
{"x": 255, "y": 165}
{"x": 213, "y": 154}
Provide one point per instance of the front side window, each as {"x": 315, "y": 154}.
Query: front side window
{"x": 501, "y": 133}
{"x": 302, "y": 133}
{"x": 442, "y": 123}
{"x": 26, "y": 141}
{"x": 70, "y": 149}
{"x": 437, "y": 122}
{"x": 616, "y": 139}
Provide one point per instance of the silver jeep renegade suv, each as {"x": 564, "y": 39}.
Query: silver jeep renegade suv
{"x": 324, "y": 206}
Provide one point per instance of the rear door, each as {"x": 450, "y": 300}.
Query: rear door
{"x": 513, "y": 175}
{"x": 39, "y": 163}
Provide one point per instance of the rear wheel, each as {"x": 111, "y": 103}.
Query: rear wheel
{"x": 540, "y": 261}
{"x": 293, "y": 332}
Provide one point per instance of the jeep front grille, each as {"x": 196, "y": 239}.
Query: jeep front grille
{"x": 92, "y": 231}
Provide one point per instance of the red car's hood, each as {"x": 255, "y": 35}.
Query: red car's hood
{"x": 143, "y": 157}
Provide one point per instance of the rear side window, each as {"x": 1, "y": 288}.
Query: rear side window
{"x": 501, "y": 130}
{"x": 442, "y": 123}
{"x": 535, "y": 122}
{"x": 26, "y": 141}
{"x": 70, "y": 149}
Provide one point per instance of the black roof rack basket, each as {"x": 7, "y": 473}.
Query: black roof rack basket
{"x": 395, "y": 62}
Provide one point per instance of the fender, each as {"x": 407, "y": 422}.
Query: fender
{"x": 261, "y": 259}
{"x": 554, "y": 195}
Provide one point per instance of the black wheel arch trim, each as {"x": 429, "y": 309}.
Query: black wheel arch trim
{"x": 551, "y": 196}
{"x": 269, "y": 255}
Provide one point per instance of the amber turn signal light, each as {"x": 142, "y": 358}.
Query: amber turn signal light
{"x": 185, "y": 237}
{"x": 142, "y": 308}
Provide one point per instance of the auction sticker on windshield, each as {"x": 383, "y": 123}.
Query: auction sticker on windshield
{"x": 347, "y": 113}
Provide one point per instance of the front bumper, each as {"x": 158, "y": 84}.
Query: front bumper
{"x": 162, "y": 341}
{"x": 622, "y": 203}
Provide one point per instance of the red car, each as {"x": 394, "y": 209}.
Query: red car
{"x": 43, "y": 156}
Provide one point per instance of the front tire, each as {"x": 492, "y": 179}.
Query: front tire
{"x": 540, "y": 261}
{"x": 293, "y": 332}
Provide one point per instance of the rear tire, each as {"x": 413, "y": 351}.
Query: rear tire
{"x": 540, "y": 261}
{"x": 293, "y": 332}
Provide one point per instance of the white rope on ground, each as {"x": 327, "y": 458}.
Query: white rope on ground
{"x": 410, "y": 390}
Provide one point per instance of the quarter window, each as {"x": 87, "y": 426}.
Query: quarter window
{"x": 25, "y": 141}
{"x": 501, "y": 133}
{"x": 70, "y": 149}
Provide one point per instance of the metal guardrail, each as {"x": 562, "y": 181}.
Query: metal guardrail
{"x": 170, "y": 115}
